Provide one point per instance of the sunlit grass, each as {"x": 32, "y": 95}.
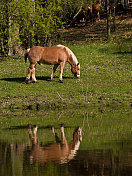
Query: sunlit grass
{"x": 105, "y": 79}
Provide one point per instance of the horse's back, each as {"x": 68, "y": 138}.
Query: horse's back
{"x": 96, "y": 7}
{"x": 34, "y": 54}
{"x": 47, "y": 55}
{"x": 36, "y": 50}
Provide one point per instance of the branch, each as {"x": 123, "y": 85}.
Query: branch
{"x": 76, "y": 15}
{"x": 60, "y": 96}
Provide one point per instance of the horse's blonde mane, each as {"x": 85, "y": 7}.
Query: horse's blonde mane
{"x": 28, "y": 50}
{"x": 69, "y": 53}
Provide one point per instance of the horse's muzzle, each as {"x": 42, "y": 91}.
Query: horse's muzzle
{"x": 77, "y": 76}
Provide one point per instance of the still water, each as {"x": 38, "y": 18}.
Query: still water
{"x": 96, "y": 148}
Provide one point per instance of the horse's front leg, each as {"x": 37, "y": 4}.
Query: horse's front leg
{"x": 62, "y": 64}
{"x": 33, "y": 136}
{"x": 54, "y": 69}
{"x": 33, "y": 74}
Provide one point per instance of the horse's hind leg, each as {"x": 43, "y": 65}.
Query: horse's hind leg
{"x": 28, "y": 76}
{"x": 31, "y": 69}
{"x": 55, "y": 135}
{"x": 54, "y": 69}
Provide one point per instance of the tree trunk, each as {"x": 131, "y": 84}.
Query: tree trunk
{"x": 2, "y": 47}
{"x": 74, "y": 18}
{"x": 14, "y": 38}
{"x": 10, "y": 43}
{"x": 126, "y": 4}
{"x": 108, "y": 18}
{"x": 114, "y": 19}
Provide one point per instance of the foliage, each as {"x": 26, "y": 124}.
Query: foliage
{"x": 29, "y": 22}
{"x": 34, "y": 22}
{"x": 4, "y": 22}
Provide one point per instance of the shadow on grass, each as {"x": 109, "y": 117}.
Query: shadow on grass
{"x": 23, "y": 79}
{"x": 19, "y": 80}
{"x": 26, "y": 127}
{"x": 21, "y": 127}
{"x": 124, "y": 52}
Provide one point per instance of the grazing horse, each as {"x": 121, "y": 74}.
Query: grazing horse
{"x": 60, "y": 152}
{"x": 56, "y": 55}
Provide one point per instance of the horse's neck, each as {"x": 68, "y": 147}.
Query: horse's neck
{"x": 73, "y": 148}
{"x": 71, "y": 61}
{"x": 71, "y": 57}
{"x": 74, "y": 144}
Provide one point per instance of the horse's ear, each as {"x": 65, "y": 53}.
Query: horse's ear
{"x": 77, "y": 64}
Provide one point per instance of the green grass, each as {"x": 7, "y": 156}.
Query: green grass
{"x": 105, "y": 80}
{"x": 100, "y": 100}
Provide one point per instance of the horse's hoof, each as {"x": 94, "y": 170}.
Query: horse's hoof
{"x": 62, "y": 125}
{"x": 28, "y": 82}
{"x": 52, "y": 127}
{"x": 29, "y": 126}
{"x": 61, "y": 81}
{"x": 34, "y": 81}
{"x": 35, "y": 126}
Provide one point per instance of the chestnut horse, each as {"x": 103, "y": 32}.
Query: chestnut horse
{"x": 92, "y": 11}
{"x": 56, "y": 55}
{"x": 96, "y": 10}
{"x": 60, "y": 152}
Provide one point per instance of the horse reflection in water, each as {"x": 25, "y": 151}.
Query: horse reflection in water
{"x": 60, "y": 152}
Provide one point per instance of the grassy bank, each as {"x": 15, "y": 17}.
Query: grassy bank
{"x": 106, "y": 72}
{"x": 105, "y": 80}
{"x": 100, "y": 100}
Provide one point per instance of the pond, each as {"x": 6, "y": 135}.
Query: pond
{"x": 102, "y": 146}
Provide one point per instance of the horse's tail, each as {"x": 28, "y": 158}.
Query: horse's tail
{"x": 26, "y": 55}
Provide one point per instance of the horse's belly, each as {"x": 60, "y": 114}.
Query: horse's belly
{"x": 49, "y": 61}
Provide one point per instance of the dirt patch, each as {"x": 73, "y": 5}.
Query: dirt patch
{"x": 97, "y": 31}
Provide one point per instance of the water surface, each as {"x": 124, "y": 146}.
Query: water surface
{"x": 105, "y": 148}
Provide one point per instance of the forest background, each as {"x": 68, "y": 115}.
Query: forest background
{"x": 24, "y": 23}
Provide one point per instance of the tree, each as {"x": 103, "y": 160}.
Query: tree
{"x": 3, "y": 27}
{"x": 108, "y": 17}
{"x": 28, "y": 23}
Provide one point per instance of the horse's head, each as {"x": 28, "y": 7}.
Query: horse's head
{"x": 75, "y": 69}
{"x": 77, "y": 134}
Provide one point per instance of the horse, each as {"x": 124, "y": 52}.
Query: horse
{"x": 55, "y": 55}
{"x": 60, "y": 152}
{"x": 92, "y": 11}
{"x": 96, "y": 9}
